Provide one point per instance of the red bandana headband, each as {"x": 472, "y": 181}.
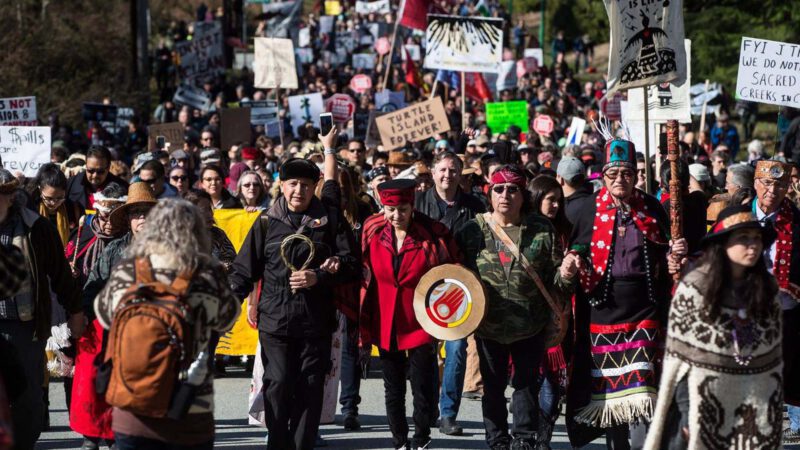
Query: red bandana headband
{"x": 783, "y": 250}
{"x": 396, "y": 197}
{"x": 603, "y": 235}
{"x": 508, "y": 176}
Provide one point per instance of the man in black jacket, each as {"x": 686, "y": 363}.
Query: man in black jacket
{"x": 296, "y": 311}
{"x": 448, "y": 204}
{"x": 94, "y": 178}
{"x": 571, "y": 175}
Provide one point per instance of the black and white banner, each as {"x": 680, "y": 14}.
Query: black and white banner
{"x": 464, "y": 44}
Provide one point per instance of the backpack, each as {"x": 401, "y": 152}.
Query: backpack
{"x": 149, "y": 344}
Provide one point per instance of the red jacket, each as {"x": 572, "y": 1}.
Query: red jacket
{"x": 387, "y": 299}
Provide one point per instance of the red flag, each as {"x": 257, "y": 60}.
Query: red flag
{"x": 476, "y": 87}
{"x": 413, "y": 75}
{"x": 415, "y": 14}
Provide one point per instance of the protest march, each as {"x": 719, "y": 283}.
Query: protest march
{"x": 558, "y": 232}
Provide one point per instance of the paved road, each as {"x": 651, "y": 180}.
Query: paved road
{"x": 233, "y": 431}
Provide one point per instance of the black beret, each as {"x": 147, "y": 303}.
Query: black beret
{"x": 299, "y": 168}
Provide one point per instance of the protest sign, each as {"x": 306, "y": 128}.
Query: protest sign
{"x": 610, "y": 107}
{"x": 364, "y": 61}
{"x": 373, "y": 138}
{"x": 99, "y": 112}
{"x": 526, "y": 66}
{"x": 201, "y": 58}
{"x": 377, "y": 7}
{"x": 346, "y": 41}
{"x": 24, "y": 149}
{"x": 234, "y": 127}
{"x": 274, "y": 65}
{"x": 361, "y": 125}
{"x": 769, "y": 72}
{"x": 576, "y": 128}
{"x": 666, "y": 100}
{"x": 173, "y": 133}
{"x": 304, "y": 37}
{"x": 382, "y": 46}
{"x": 305, "y": 108}
{"x": 414, "y": 123}
{"x": 507, "y": 76}
{"x": 646, "y": 44}
{"x": 378, "y": 30}
{"x": 464, "y": 44}
{"x": 124, "y": 115}
{"x": 535, "y": 53}
{"x": 341, "y": 106}
{"x": 543, "y": 125}
{"x": 263, "y": 112}
{"x": 18, "y": 111}
{"x": 366, "y": 40}
{"x": 193, "y": 97}
{"x": 387, "y": 101}
{"x": 414, "y": 52}
{"x": 326, "y": 24}
{"x": 304, "y": 55}
{"x": 333, "y": 8}
{"x": 360, "y": 83}
{"x": 243, "y": 60}
{"x": 500, "y": 115}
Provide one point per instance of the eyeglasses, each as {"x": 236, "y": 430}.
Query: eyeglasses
{"x": 249, "y": 185}
{"x": 510, "y": 188}
{"x": 772, "y": 184}
{"x": 53, "y": 199}
{"x": 613, "y": 175}
{"x": 179, "y": 178}
{"x": 96, "y": 171}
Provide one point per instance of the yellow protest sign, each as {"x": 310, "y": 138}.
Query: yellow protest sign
{"x": 333, "y": 8}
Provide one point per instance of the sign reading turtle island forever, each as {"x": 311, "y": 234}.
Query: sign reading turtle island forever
{"x": 769, "y": 72}
{"x": 412, "y": 124}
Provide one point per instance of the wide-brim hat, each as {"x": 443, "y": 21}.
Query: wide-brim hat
{"x": 139, "y": 194}
{"x": 400, "y": 158}
{"x": 734, "y": 218}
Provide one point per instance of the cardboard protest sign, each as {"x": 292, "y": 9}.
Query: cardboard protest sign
{"x": 507, "y": 76}
{"x": 263, "y": 112}
{"x": 646, "y": 43}
{"x": 535, "y": 53}
{"x": 377, "y": 7}
{"x": 360, "y": 83}
{"x": 576, "y": 128}
{"x": 274, "y": 65}
{"x": 666, "y": 100}
{"x": 193, "y": 97}
{"x": 341, "y": 106}
{"x": 24, "y": 149}
{"x": 333, "y": 8}
{"x": 202, "y": 58}
{"x": 414, "y": 123}
{"x": 769, "y": 72}
{"x": 173, "y": 133}
{"x": 387, "y": 101}
{"x": 18, "y": 111}
{"x": 234, "y": 127}
{"x": 500, "y": 115}
{"x": 364, "y": 61}
{"x": 305, "y": 108}
{"x": 464, "y": 44}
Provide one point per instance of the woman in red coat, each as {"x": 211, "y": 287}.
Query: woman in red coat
{"x": 399, "y": 246}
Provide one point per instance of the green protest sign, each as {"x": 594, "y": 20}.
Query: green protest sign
{"x": 500, "y": 115}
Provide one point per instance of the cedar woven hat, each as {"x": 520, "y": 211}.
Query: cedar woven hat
{"x": 400, "y": 158}
{"x": 773, "y": 170}
{"x": 139, "y": 194}
{"x": 449, "y": 302}
{"x": 735, "y": 218}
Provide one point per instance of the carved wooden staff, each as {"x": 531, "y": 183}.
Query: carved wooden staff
{"x": 675, "y": 200}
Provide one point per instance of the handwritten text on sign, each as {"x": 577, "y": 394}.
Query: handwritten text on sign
{"x": 24, "y": 149}
{"x": 414, "y": 123}
{"x": 769, "y": 72}
{"x": 18, "y": 111}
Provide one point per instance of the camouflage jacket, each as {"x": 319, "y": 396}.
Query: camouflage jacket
{"x": 515, "y": 307}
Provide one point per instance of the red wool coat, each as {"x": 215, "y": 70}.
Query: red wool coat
{"x": 387, "y": 298}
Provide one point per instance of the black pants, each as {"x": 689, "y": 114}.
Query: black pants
{"x": 294, "y": 377}
{"x": 125, "y": 442}
{"x": 350, "y": 376}
{"x": 526, "y": 355}
{"x": 28, "y": 407}
{"x": 419, "y": 362}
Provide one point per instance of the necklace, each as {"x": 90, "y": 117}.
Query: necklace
{"x": 744, "y": 335}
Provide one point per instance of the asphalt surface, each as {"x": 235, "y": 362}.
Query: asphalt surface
{"x": 232, "y": 430}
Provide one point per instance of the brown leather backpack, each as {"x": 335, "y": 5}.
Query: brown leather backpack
{"x": 150, "y": 343}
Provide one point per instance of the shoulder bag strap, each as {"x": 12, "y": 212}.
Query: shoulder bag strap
{"x": 512, "y": 247}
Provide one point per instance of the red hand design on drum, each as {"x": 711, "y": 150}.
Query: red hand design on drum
{"x": 447, "y": 305}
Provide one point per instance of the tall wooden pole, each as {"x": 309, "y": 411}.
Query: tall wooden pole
{"x": 675, "y": 188}
{"x": 647, "y": 171}
{"x": 391, "y": 52}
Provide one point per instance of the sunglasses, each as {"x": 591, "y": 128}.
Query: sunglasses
{"x": 511, "y": 189}
{"x": 249, "y": 185}
{"x": 179, "y": 178}
{"x": 96, "y": 171}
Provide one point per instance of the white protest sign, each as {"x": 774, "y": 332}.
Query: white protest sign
{"x": 202, "y": 58}
{"x": 576, "y": 128}
{"x": 24, "y": 149}
{"x": 263, "y": 112}
{"x": 192, "y": 96}
{"x": 507, "y": 77}
{"x": 413, "y": 51}
{"x": 304, "y": 37}
{"x": 769, "y": 72}
{"x": 364, "y": 61}
{"x": 274, "y": 65}
{"x": 636, "y": 130}
{"x": 666, "y": 100}
{"x": 305, "y": 108}
{"x": 535, "y": 53}
{"x": 326, "y": 24}
{"x": 464, "y": 44}
{"x": 379, "y": 7}
{"x": 18, "y": 111}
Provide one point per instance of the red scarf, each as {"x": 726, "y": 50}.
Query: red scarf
{"x": 783, "y": 250}
{"x": 604, "y": 234}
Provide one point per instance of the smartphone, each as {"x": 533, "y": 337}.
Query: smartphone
{"x": 160, "y": 142}
{"x": 325, "y": 123}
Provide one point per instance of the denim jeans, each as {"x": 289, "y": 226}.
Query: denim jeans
{"x": 455, "y": 365}
{"x": 794, "y": 418}
{"x": 351, "y": 377}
